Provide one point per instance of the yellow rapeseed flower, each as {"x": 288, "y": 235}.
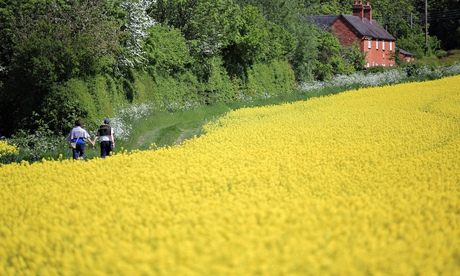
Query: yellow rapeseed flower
{"x": 363, "y": 182}
{"x": 6, "y": 149}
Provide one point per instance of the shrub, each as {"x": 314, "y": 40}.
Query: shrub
{"x": 8, "y": 153}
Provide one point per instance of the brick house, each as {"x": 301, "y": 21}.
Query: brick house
{"x": 375, "y": 41}
{"x": 406, "y": 56}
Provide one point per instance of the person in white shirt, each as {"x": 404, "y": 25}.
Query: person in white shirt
{"x": 78, "y": 135}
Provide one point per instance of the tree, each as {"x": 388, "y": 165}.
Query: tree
{"x": 136, "y": 22}
{"x": 299, "y": 41}
{"x": 255, "y": 41}
{"x": 321, "y": 7}
{"x": 353, "y": 57}
{"x": 48, "y": 42}
{"x": 219, "y": 28}
{"x": 329, "y": 61}
{"x": 444, "y": 22}
{"x": 166, "y": 51}
{"x": 176, "y": 13}
{"x": 390, "y": 13}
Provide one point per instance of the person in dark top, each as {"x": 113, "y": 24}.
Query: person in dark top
{"x": 105, "y": 133}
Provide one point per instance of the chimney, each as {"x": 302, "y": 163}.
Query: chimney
{"x": 358, "y": 9}
{"x": 367, "y": 11}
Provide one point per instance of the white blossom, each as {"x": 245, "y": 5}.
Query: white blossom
{"x": 393, "y": 76}
{"x": 138, "y": 21}
{"x": 121, "y": 122}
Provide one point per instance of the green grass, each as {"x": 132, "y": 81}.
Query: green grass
{"x": 168, "y": 129}
{"x": 448, "y": 59}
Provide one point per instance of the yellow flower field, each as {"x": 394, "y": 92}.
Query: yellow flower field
{"x": 6, "y": 149}
{"x": 366, "y": 182}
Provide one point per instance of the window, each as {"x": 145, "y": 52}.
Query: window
{"x": 391, "y": 46}
{"x": 383, "y": 45}
{"x": 369, "y": 43}
{"x": 376, "y": 44}
{"x": 367, "y": 65}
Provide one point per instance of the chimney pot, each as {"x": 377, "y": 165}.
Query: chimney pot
{"x": 358, "y": 9}
{"x": 367, "y": 11}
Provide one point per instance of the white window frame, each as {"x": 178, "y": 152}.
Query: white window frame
{"x": 376, "y": 44}
{"x": 369, "y": 43}
{"x": 391, "y": 46}
{"x": 383, "y": 45}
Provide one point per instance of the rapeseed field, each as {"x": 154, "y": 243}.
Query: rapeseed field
{"x": 366, "y": 182}
{"x": 6, "y": 149}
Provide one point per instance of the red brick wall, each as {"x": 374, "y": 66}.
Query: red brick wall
{"x": 381, "y": 56}
{"x": 346, "y": 34}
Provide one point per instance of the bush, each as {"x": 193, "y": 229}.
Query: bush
{"x": 35, "y": 146}
{"x": 8, "y": 153}
{"x": 441, "y": 54}
{"x": 219, "y": 87}
{"x": 268, "y": 80}
{"x": 409, "y": 72}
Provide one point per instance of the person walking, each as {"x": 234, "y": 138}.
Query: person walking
{"x": 105, "y": 132}
{"x": 77, "y": 137}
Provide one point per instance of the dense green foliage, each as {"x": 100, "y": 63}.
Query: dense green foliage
{"x": 46, "y": 44}
{"x": 62, "y": 60}
{"x": 444, "y": 21}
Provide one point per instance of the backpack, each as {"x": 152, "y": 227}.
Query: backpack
{"x": 104, "y": 130}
